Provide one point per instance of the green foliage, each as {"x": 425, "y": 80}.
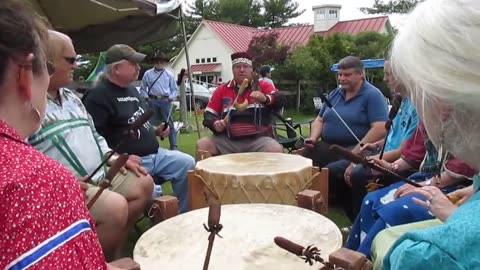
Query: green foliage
{"x": 391, "y": 6}
{"x": 279, "y": 12}
{"x": 313, "y": 62}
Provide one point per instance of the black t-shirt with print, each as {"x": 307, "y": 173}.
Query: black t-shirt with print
{"x": 113, "y": 108}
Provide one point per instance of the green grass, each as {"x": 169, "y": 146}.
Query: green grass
{"x": 186, "y": 143}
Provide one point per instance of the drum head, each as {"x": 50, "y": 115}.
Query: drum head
{"x": 248, "y": 232}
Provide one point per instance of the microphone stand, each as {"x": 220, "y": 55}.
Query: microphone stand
{"x": 397, "y": 102}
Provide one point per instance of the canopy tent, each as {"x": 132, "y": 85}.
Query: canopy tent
{"x": 99, "y": 67}
{"x": 95, "y": 25}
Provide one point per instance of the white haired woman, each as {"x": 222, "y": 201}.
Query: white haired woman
{"x": 436, "y": 55}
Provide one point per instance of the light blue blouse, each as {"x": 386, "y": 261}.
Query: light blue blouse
{"x": 453, "y": 245}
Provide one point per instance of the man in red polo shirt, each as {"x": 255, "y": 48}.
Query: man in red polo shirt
{"x": 237, "y": 131}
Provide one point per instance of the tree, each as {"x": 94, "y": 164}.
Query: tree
{"x": 278, "y": 12}
{"x": 243, "y": 12}
{"x": 266, "y": 50}
{"x": 371, "y": 44}
{"x": 340, "y": 45}
{"x": 391, "y": 6}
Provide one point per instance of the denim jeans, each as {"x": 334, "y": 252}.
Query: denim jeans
{"x": 162, "y": 108}
{"x": 173, "y": 166}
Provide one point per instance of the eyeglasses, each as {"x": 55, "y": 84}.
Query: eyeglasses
{"x": 50, "y": 68}
{"x": 70, "y": 60}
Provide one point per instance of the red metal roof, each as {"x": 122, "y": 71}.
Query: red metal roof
{"x": 205, "y": 67}
{"x": 292, "y": 35}
{"x": 238, "y": 37}
{"x": 357, "y": 26}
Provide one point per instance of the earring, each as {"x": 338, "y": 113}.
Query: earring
{"x": 36, "y": 114}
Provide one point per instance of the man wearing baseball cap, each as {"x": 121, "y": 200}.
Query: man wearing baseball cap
{"x": 266, "y": 73}
{"x": 114, "y": 104}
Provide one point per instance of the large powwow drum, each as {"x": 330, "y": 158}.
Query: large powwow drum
{"x": 247, "y": 239}
{"x": 255, "y": 177}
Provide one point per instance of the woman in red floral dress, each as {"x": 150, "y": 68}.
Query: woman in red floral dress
{"x": 44, "y": 223}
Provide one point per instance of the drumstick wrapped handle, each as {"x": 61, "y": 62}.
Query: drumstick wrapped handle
{"x": 114, "y": 169}
{"x": 345, "y": 153}
{"x": 361, "y": 160}
{"x": 128, "y": 134}
{"x": 214, "y": 227}
{"x": 289, "y": 246}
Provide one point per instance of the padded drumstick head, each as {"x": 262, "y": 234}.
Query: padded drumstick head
{"x": 180, "y": 77}
{"x": 141, "y": 120}
{"x": 289, "y": 245}
{"x": 397, "y": 101}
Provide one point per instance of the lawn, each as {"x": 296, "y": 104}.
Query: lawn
{"x": 186, "y": 143}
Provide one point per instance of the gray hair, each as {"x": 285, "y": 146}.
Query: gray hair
{"x": 351, "y": 62}
{"x": 435, "y": 56}
{"x": 103, "y": 75}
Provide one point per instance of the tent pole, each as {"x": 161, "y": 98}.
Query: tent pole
{"x": 189, "y": 73}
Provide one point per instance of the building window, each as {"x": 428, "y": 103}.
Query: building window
{"x": 214, "y": 59}
{"x": 219, "y": 80}
{"x": 333, "y": 14}
{"x": 197, "y": 61}
{"x": 320, "y": 14}
{"x": 203, "y": 60}
{"x": 209, "y": 60}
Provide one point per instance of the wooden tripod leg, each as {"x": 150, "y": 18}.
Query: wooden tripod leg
{"x": 164, "y": 207}
{"x": 195, "y": 191}
{"x": 349, "y": 259}
{"x": 319, "y": 184}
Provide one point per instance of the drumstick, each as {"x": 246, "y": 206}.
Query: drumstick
{"x": 135, "y": 126}
{"x": 357, "y": 159}
{"x": 240, "y": 92}
{"x": 310, "y": 254}
{"x": 345, "y": 153}
{"x": 289, "y": 246}
{"x": 114, "y": 169}
{"x": 214, "y": 227}
{"x": 397, "y": 101}
{"x": 329, "y": 104}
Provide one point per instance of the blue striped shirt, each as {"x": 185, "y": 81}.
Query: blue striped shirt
{"x": 164, "y": 86}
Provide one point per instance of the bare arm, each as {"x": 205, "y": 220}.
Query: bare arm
{"x": 317, "y": 126}
{"x": 377, "y": 132}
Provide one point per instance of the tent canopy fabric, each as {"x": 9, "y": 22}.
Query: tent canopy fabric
{"x": 95, "y": 25}
{"x": 367, "y": 64}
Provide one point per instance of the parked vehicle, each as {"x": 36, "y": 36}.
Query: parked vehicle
{"x": 201, "y": 98}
